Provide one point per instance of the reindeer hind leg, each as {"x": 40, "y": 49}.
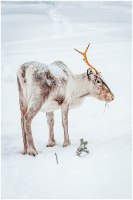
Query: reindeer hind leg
{"x": 28, "y": 117}
{"x": 23, "y": 109}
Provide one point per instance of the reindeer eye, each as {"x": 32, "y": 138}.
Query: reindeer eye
{"x": 98, "y": 81}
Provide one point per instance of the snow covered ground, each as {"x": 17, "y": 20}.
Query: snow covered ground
{"x": 48, "y": 32}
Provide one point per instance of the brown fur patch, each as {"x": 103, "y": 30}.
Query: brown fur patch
{"x": 63, "y": 81}
{"x": 105, "y": 85}
{"x": 19, "y": 86}
{"x": 45, "y": 81}
{"x": 23, "y": 72}
{"x": 60, "y": 100}
{"x": 85, "y": 95}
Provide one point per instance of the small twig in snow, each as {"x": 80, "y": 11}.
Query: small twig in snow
{"x": 56, "y": 158}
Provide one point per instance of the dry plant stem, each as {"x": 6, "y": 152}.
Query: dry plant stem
{"x": 106, "y": 105}
{"x": 56, "y": 158}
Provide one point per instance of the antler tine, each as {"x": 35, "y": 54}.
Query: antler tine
{"x": 87, "y": 48}
{"x": 86, "y": 60}
{"x": 78, "y": 51}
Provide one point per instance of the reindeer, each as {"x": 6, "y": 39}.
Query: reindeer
{"x": 50, "y": 87}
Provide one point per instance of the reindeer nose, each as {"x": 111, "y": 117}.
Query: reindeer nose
{"x": 110, "y": 97}
{"x": 113, "y": 96}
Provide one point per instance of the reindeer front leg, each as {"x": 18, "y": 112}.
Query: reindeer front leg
{"x": 64, "y": 111}
{"x": 50, "y": 121}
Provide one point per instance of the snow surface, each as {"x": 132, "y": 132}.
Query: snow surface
{"x": 45, "y": 33}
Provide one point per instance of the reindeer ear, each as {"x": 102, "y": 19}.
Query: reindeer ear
{"x": 89, "y": 71}
{"x": 90, "y": 74}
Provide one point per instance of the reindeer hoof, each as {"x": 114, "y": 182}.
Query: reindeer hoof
{"x": 31, "y": 151}
{"x": 66, "y": 143}
{"x": 51, "y": 144}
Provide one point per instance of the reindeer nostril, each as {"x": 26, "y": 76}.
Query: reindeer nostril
{"x": 113, "y": 97}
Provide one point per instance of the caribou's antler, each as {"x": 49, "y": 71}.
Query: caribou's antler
{"x": 86, "y": 60}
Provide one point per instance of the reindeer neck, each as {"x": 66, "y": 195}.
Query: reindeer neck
{"x": 81, "y": 86}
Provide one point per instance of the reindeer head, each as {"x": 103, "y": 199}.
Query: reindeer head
{"x": 98, "y": 87}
